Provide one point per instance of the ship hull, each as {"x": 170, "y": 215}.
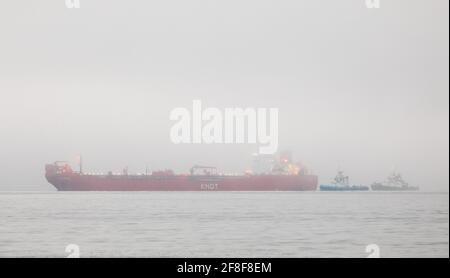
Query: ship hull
{"x": 393, "y": 188}
{"x": 343, "y": 188}
{"x": 77, "y": 182}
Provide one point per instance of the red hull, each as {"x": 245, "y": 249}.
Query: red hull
{"x": 79, "y": 182}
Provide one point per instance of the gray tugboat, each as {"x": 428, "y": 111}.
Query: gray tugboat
{"x": 394, "y": 182}
{"x": 341, "y": 183}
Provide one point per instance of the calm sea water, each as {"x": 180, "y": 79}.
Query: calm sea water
{"x": 224, "y": 224}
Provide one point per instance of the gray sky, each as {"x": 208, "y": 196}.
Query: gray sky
{"x": 364, "y": 90}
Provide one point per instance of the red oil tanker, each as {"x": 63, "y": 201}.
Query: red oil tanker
{"x": 283, "y": 178}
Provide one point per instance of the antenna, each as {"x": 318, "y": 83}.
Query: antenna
{"x": 81, "y": 165}
{"x": 393, "y": 169}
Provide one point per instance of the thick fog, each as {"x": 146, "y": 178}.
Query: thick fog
{"x": 358, "y": 89}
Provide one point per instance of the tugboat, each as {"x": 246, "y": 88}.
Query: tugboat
{"x": 394, "y": 182}
{"x": 341, "y": 183}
